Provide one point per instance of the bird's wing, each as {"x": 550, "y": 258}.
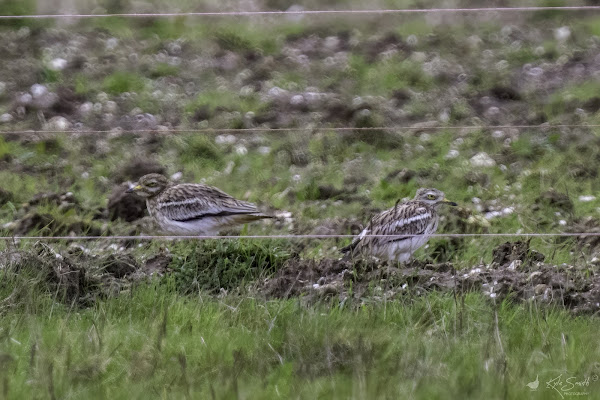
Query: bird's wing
{"x": 187, "y": 202}
{"x": 401, "y": 221}
{"x": 357, "y": 240}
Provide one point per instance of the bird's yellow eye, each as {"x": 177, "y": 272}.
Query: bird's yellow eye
{"x": 151, "y": 184}
{"x": 431, "y": 197}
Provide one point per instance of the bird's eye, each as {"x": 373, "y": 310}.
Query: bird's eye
{"x": 151, "y": 184}
{"x": 431, "y": 197}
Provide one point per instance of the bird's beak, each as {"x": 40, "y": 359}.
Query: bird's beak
{"x": 451, "y": 203}
{"x": 133, "y": 189}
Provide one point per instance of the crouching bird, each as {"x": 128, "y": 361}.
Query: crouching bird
{"x": 415, "y": 217}
{"x": 193, "y": 209}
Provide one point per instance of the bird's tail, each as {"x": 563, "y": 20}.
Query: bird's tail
{"x": 349, "y": 251}
{"x": 243, "y": 218}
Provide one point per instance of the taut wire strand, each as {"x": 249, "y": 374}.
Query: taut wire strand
{"x": 290, "y": 237}
{"x": 306, "y": 12}
{"x": 314, "y": 129}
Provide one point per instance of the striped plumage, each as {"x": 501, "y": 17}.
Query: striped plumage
{"x": 415, "y": 217}
{"x": 193, "y": 209}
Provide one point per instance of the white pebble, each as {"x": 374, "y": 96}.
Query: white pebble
{"x": 444, "y": 115}
{"x": 225, "y": 139}
{"x": 364, "y": 113}
{"x": 452, "y": 154}
{"x": 57, "y": 124}
{"x": 536, "y": 71}
{"x": 86, "y": 108}
{"x": 562, "y": 34}
{"x": 241, "y": 150}
{"x": 110, "y": 106}
{"x": 482, "y": 160}
{"x": 25, "y": 99}
{"x": 312, "y": 97}
{"x": 297, "y": 100}
{"x": 587, "y": 199}
{"x": 331, "y": 43}
{"x": 498, "y": 134}
{"x": 102, "y": 97}
{"x": 58, "y": 64}
{"x": 492, "y": 112}
{"x": 38, "y": 90}
{"x": 246, "y": 91}
{"x": 6, "y": 117}
{"x": 515, "y": 265}
{"x": 264, "y": 150}
{"x": 492, "y": 214}
{"x": 112, "y": 43}
{"x": 276, "y": 92}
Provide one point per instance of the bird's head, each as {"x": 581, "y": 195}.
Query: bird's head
{"x": 433, "y": 197}
{"x": 149, "y": 185}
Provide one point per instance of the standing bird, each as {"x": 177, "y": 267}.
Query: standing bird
{"x": 415, "y": 217}
{"x": 192, "y": 209}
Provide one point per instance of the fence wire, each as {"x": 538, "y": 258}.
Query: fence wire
{"x": 292, "y": 237}
{"x": 306, "y": 12}
{"x": 292, "y": 129}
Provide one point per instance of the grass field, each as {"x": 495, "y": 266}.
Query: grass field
{"x": 155, "y": 343}
{"x": 499, "y": 111}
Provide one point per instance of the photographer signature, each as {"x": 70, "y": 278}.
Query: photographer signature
{"x": 571, "y": 385}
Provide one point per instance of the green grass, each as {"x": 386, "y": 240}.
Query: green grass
{"x": 155, "y": 343}
{"x": 123, "y": 81}
{"x": 571, "y": 97}
{"x": 228, "y": 265}
{"x": 50, "y": 76}
{"x": 388, "y": 75}
{"x": 21, "y": 7}
{"x": 592, "y": 25}
{"x": 163, "y": 69}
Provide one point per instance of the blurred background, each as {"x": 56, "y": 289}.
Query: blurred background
{"x": 497, "y": 109}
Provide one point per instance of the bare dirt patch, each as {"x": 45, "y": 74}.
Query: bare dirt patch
{"x": 517, "y": 272}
